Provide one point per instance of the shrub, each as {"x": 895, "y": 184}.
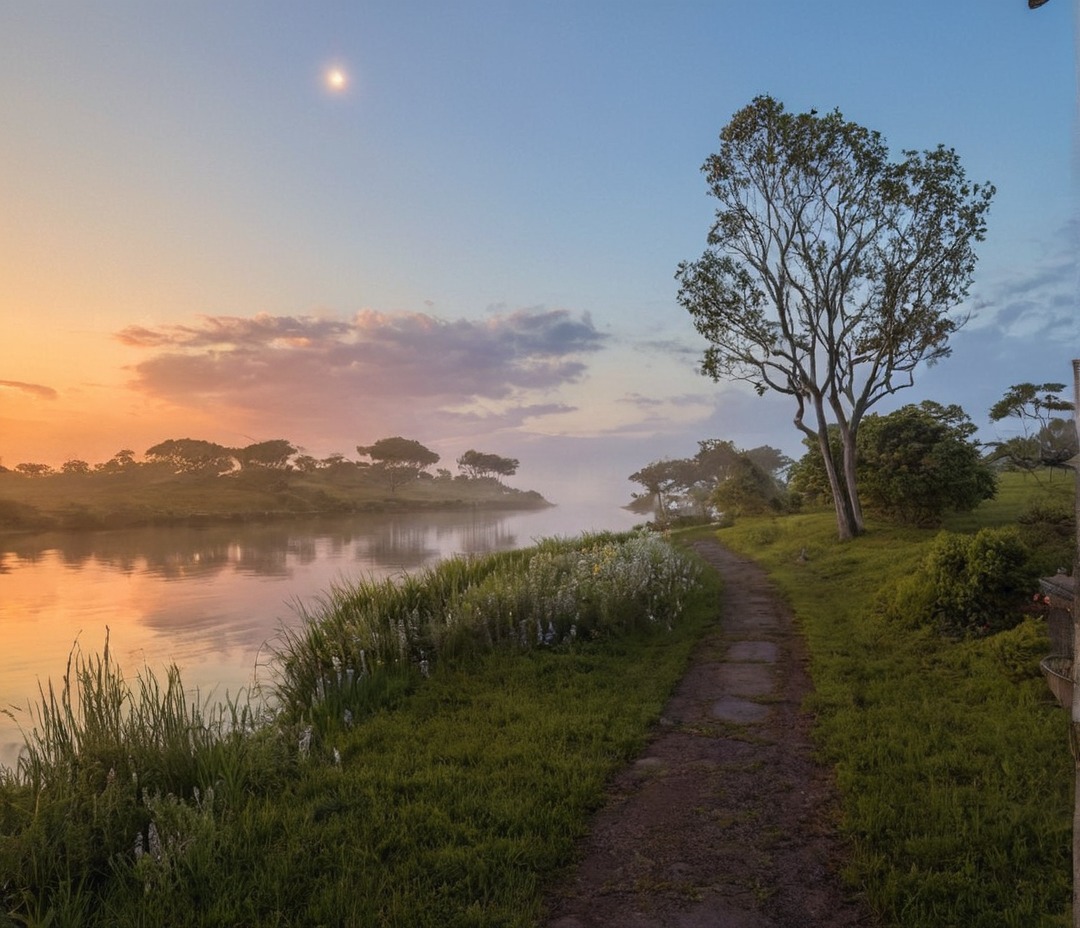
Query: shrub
{"x": 918, "y": 463}
{"x": 968, "y": 584}
{"x": 1049, "y": 531}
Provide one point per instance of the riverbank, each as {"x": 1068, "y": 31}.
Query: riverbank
{"x": 437, "y": 748}
{"x": 153, "y": 497}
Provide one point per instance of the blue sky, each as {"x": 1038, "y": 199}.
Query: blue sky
{"x": 473, "y": 243}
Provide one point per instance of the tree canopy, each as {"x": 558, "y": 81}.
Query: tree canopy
{"x": 1045, "y": 440}
{"x": 695, "y": 484}
{"x": 915, "y": 464}
{"x": 400, "y": 459}
{"x": 478, "y": 464}
{"x": 192, "y": 456}
{"x": 274, "y": 454}
{"x": 831, "y": 271}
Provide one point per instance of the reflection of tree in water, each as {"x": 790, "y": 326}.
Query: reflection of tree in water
{"x": 171, "y": 554}
{"x": 486, "y": 534}
{"x": 414, "y": 542}
{"x": 382, "y": 541}
{"x": 398, "y": 545}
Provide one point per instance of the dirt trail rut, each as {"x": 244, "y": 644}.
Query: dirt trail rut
{"x": 726, "y": 820}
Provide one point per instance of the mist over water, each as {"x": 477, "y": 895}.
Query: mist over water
{"x": 212, "y": 600}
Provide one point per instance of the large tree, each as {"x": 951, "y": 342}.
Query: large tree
{"x": 477, "y": 464}
{"x": 831, "y": 272}
{"x": 273, "y": 454}
{"x": 1045, "y": 440}
{"x": 192, "y": 456}
{"x": 400, "y": 459}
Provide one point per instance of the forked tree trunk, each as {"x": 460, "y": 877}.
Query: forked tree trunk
{"x": 851, "y": 487}
{"x": 846, "y": 525}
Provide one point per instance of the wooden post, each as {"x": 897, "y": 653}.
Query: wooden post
{"x": 1075, "y": 734}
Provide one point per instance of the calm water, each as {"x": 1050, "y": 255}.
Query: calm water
{"x": 211, "y": 599}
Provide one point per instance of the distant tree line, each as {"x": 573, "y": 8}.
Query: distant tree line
{"x": 397, "y": 460}
{"x": 913, "y": 465}
{"x": 720, "y": 477}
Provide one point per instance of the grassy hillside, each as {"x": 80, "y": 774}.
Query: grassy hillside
{"x": 951, "y": 755}
{"x": 148, "y": 495}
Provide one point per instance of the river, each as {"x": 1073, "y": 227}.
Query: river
{"x": 212, "y": 600}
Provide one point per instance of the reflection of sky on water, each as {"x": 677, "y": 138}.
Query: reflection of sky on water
{"x": 211, "y": 599}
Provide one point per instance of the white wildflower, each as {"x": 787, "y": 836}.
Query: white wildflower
{"x": 156, "y": 850}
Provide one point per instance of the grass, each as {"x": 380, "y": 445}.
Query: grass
{"x": 387, "y": 798}
{"x": 951, "y": 757}
{"x": 448, "y": 776}
{"x": 153, "y": 495}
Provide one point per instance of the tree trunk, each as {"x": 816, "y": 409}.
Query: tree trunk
{"x": 849, "y": 457}
{"x": 846, "y": 525}
{"x": 850, "y": 484}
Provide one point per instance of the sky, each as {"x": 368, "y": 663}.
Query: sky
{"x": 460, "y": 222}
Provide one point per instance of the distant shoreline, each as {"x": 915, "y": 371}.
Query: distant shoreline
{"x": 95, "y": 503}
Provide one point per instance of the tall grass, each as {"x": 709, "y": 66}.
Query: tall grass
{"x": 952, "y": 757}
{"x": 97, "y": 752}
{"x": 437, "y": 745}
{"x": 368, "y": 639}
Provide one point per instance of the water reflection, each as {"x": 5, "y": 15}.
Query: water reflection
{"x": 210, "y": 599}
{"x": 397, "y": 542}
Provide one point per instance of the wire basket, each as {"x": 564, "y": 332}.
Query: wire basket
{"x": 1058, "y": 672}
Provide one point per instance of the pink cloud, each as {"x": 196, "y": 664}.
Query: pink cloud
{"x": 34, "y": 389}
{"x": 411, "y": 368}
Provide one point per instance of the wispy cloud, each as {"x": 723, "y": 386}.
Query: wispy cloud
{"x": 34, "y": 389}
{"x": 1039, "y": 300}
{"x": 409, "y": 365}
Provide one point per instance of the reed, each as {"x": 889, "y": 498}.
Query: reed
{"x": 365, "y": 641}
{"x": 134, "y": 805}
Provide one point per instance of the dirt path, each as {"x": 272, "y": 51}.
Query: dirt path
{"x": 726, "y": 820}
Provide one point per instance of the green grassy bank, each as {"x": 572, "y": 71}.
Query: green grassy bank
{"x": 154, "y": 495}
{"x": 437, "y": 746}
{"x": 951, "y": 756}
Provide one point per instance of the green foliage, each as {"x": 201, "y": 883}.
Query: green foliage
{"x": 452, "y": 804}
{"x": 968, "y": 584}
{"x": 79, "y": 799}
{"x": 477, "y": 464}
{"x": 33, "y": 470}
{"x": 914, "y": 465}
{"x": 685, "y": 488}
{"x": 274, "y": 453}
{"x": 1048, "y": 531}
{"x": 830, "y": 270}
{"x": 399, "y": 459}
{"x": 370, "y": 638}
{"x": 191, "y": 456}
{"x": 808, "y": 476}
{"x": 917, "y": 463}
{"x": 747, "y": 490}
{"x": 154, "y": 494}
{"x": 1044, "y": 440}
{"x": 951, "y": 756}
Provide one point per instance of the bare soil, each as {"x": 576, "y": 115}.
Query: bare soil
{"x": 726, "y": 820}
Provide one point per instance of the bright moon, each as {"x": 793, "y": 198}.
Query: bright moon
{"x": 336, "y": 80}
